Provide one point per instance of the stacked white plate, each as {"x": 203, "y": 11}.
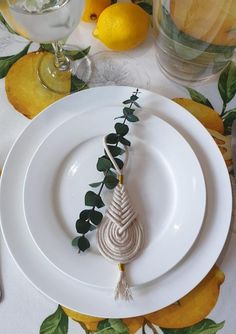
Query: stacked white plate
{"x": 177, "y": 180}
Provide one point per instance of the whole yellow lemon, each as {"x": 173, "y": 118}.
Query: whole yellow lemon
{"x": 122, "y": 26}
{"x": 93, "y": 8}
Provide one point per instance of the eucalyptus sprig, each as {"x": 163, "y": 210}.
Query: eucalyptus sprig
{"x": 90, "y": 218}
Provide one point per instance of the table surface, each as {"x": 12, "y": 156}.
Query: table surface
{"x": 23, "y": 308}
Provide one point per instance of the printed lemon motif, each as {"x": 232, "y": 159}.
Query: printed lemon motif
{"x": 3, "y": 4}
{"x": 93, "y": 9}
{"x": 210, "y": 21}
{"x": 192, "y": 308}
{"x": 206, "y": 115}
{"x": 224, "y": 144}
{"x": 90, "y": 322}
{"x": 24, "y": 89}
{"x": 122, "y": 26}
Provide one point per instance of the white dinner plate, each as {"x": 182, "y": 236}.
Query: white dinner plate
{"x": 168, "y": 194}
{"x": 99, "y": 302}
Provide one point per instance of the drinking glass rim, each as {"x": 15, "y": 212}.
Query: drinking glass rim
{"x": 47, "y": 10}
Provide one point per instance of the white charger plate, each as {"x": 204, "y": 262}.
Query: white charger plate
{"x": 168, "y": 193}
{"x": 167, "y": 288}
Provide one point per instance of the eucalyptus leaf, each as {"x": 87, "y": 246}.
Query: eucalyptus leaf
{"x": 77, "y": 84}
{"x": 84, "y": 215}
{"x": 136, "y": 104}
{"x": 57, "y": 323}
{"x": 127, "y": 101}
{"x": 95, "y": 184}
{"x": 115, "y": 150}
{"x": 96, "y": 217}
{"x": 82, "y": 227}
{"x": 134, "y": 98}
{"x": 112, "y": 138}
{"x": 110, "y": 181}
{"x": 227, "y": 83}
{"x": 119, "y": 162}
{"x": 128, "y": 111}
{"x": 75, "y": 241}
{"x": 132, "y": 118}
{"x": 124, "y": 141}
{"x": 83, "y": 243}
{"x": 121, "y": 129}
{"x": 198, "y": 97}
{"x": 206, "y": 326}
{"x": 103, "y": 164}
{"x": 228, "y": 119}
{"x": 7, "y": 61}
{"x": 93, "y": 199}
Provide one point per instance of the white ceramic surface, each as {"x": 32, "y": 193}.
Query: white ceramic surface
{"x": 167, "y": 288}
{"x": 168, "y": 193}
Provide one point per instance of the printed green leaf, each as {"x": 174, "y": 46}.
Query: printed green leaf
{"x": 206, "y": 326}
{"x": 82, "y": 227}
{"x": 227, "y": 83}
{"x": 93, "y": 199}
{"x": 57, "y": 323}
{"x": 7, "y": 61}
{"x": 83, "y": 243}
{"x": 96, "y": 217}
{"x": 110, "y": 181}
{"x": 77, "y": 84}
{"x": 112, "y": 326}
{"x": 7, "y": 25}
{"x": 228, "y": 119}
{"x": 121, "y": 129}
{"x": 103, "y": 164}
{"x": 198, "y": 97}
{"x": 75, "y": 54}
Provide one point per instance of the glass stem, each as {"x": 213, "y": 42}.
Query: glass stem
{"x": 62, "y": 63}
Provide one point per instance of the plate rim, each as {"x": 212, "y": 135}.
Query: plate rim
{"x": 126, "y": 311}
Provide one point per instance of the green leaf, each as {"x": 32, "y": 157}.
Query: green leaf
{"x": 84, "y": 215}
{"x": 137, "y": 105}
{"x": 75, "y": 54}
{"x": 93, "y": 199}
{"x": 124, "y": 141}
{"x": 206, "y": 326}
{"x": 112, "y": 326}
{"x": 74, "y": 242}
{"x": 110, "y": 173}
{"x": 96, "y": 217}
{"x": 8, "y": 61}
{"x": 112, "y": 138}
{"x": 115, "y": 150}
{"x": 83, "y": 243}
{"x": 146, "y": 6}
{"x": 82, "y": 227}
{"x": 57, "y": 323}
{"x": 119, "y": 326}
{"x": 121, "y": 129}
{"x": 77, "y": 84}
{"x": 7, "y": 25}
{"x": 228, "y": 119}
{"x": 46, "y": 47}
{"x": 103, "y": 164}
{"x": 134, "y": 98}
{"x": 132, "y": 118}
{"x": 95, "y": 184}
{"x": 110, "y": 181}
{"x": 127, "y": 101}
{"x": 198, "y": 97}
{"x": 227, "y": 83}
{"x": 128, "y": 111}
{"x": 119, "y": 162}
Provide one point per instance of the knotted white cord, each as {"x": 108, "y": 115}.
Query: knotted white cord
{"x": 120, "y": 235}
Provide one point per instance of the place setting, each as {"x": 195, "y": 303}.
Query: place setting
{"x": 117, "y": 189}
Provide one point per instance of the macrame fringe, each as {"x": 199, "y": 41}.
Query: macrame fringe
{"x": 123, "y": 290}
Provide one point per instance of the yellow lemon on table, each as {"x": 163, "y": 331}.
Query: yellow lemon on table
{"x": 213, "y": 21}
{"x": 206, "y": 115}
{"x": 122, "y": 26}
{"x": 193, "y": 307}
{"x": 93, "y": 9}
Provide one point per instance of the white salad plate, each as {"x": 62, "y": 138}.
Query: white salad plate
{"x": 148, "y": 297}
{"x": 167, "y": 192}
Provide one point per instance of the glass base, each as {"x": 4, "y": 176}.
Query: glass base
{"x": 59, "y": 80}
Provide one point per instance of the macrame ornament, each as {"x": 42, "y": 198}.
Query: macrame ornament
{"x": 120, "y": 235}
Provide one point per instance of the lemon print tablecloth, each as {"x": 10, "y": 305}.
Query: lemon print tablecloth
{"x": 210, "y": 308}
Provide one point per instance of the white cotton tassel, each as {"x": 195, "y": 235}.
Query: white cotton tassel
{"x": 123, "y": 290}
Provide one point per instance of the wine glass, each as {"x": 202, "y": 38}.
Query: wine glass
{"x": 51, "y": 21}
